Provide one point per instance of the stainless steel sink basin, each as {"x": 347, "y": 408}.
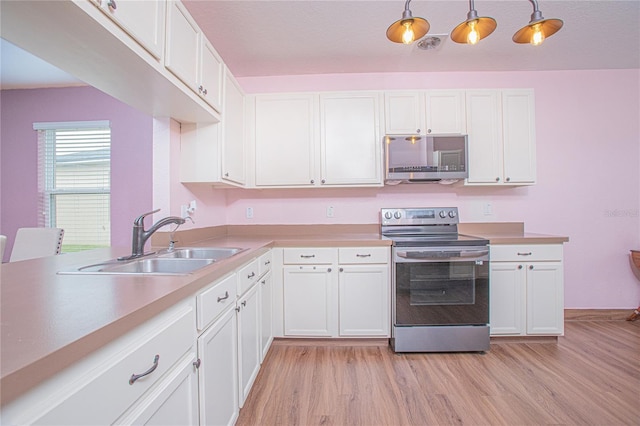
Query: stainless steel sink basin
{"x": 180, "y": 261}
{"x": 215, "y": 253}
{"x": 153, "y": 265}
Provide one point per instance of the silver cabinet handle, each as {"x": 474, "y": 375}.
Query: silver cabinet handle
{"x": 244, "y": 303}
{"x": 312, "y": 181}
{"x": 363, "y": 255}
{"x": 341, "y": 269}
{"x": 112, "y": 4}
{"x": 530, "y": 267}
{"x": 322, "y": 181}
{"x": 135, "y": 377}
{"x": 519, "y": 266}
{"x": 225, "y": 297}
{"x": 268, "y": 262}
{"x": 307, "y": 256}
{"x": 251, "y": 275}
{"x": 197, "y": 363}
{"x": 202, "y": 90}
{"x": 525, "y": 254}
{"x": 226, "y": 175}
{"x": 418, "y": 131}
{"x": 508, "y": 179}
{"x": 497, "y": 179}
{"x": 238, "y": 308}
{"x": 329, "y": 270}
{"x": 263, "y": 282}
{"x": 428, "y": 130}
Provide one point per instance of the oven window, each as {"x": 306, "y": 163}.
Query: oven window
{"x": 442, "y": 284}
{"x": 441, "y": 293}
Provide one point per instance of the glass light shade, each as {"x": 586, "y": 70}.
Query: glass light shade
{"x": 483, "y": 26}
{"x": 547, "y": 28}
{"x": 396, "y": 31}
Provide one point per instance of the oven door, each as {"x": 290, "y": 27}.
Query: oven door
{"x": 441, "y": 286}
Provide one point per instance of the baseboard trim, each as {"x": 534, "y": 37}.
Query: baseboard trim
{"x": 597, "y": 314}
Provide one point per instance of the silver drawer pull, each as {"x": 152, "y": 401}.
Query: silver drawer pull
{"x": 363, "y": 255}
{"x": 307, "y": 256}
{"x": 225, "y": 297}
{"x": 525, "y": 254}
{"x": 268, "y": 262}
{"x": 251, "y": 275}
{"x": 135, "y": 377}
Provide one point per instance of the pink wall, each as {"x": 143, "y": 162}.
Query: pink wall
{"x": 131, "y": 135}
{"x": 588, "y": 155}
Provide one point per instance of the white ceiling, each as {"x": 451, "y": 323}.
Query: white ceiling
{"x": 264, "y": 38}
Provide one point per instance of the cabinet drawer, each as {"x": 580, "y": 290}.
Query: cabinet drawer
{"x": 306, "y": 256}
{"x": 247, "y": 276}
{"x": 99, "y": 392}
{"x": 526, "y": 253}
{"x": 353, "y": 255}
{"x": 213, "y": 301}
{"x": 265, "y": 262}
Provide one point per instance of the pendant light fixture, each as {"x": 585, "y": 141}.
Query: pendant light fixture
{"x": 474, "y": 28}
{"x": 538, "y": 28}
{"x": 408, "y": 29}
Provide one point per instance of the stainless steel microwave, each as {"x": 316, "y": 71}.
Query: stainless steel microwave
{"x": 428, "y": 158}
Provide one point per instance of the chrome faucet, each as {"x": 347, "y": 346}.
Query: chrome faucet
{"x": 140, "y": 236}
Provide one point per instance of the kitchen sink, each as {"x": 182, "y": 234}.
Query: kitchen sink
{"x": 215, "y": 253}
{"x": 180, "y": 261}
{"x": 153, "y": 265}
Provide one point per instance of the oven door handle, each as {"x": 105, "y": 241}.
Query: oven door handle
{"x": 461, "y": 255}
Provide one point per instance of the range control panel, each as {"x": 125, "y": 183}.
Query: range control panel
{"x": 419, "y": 216}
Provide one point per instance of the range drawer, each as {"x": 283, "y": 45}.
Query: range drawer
{"x": 309, "y": 256}
{"x": 526, "y": 253}
{"x": 213, "y": 301}
{"x": 356, "y": 255}
{"x": 248, "y": 275}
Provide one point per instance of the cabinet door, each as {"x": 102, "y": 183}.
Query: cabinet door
{"x": 507, "y": 298}
{"x": 174, "y": 402}
{"x": 350, "y": 139}
{"x": 218, "y": 372}
{"x": 545, "y": 298}
{"x": 310, "y": 301}
{"x": 285, "y": 139}
{"x": 183, "y": 50}
{"x": 248, "y": 341}
{"x": 210, "y": 75}
{"x": 518, "y": 123}
{"x": 142, "y": 20}
{"x": 364, "y": 300}
{"x": 445, "y": 111}
{"x": 485, "y": 136}
{"x": 233, "y": 142}
{"x": 266, "y": 314}
{"x": 404, "y": 113}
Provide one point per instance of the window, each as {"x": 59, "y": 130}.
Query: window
{"x": 74, "y": 166}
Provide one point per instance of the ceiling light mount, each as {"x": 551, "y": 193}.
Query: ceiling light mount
{"x": 408, "y": 29}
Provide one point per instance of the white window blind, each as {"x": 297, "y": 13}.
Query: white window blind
{"x": 74, "y": 166}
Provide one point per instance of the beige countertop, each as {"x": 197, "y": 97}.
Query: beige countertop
{"x": 49, "y": 320}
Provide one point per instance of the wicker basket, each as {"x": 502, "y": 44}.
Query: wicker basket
{"x": 635, "y": 256}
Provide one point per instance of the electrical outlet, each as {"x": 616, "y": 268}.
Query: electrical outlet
{"x": 184, "y": 210}
{"x": 487, "y": 209}
{"x": 249, "y": 212}
{"x": 330, "y": 211}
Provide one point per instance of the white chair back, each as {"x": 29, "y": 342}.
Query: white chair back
{"x": 31, "y": 243}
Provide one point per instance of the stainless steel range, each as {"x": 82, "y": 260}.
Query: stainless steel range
{"x": 440, "y": 282}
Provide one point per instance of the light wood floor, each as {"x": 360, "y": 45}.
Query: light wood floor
{"x": 591, "y": 376}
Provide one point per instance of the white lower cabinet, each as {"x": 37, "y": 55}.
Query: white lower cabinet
{"x": 336, "y": 292}
{"x": 218, "y": 371}
{"x": 248, "y": 341}
{"x": 527, "y": 290}
{"x": 103, "y": 387}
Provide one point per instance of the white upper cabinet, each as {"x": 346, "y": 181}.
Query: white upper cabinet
{"x": 191, "y": 57}
{"x": 285, "y": 139}
{"x": 311, "y": 140}
{"x": 424, "y": 112}
{"x": 519, "y": 135}
{"x": 142, "y": 20}
{"x": 350, "y": 139}
{"x": 501, "y": 128}
{"x": 233, "y": 139}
